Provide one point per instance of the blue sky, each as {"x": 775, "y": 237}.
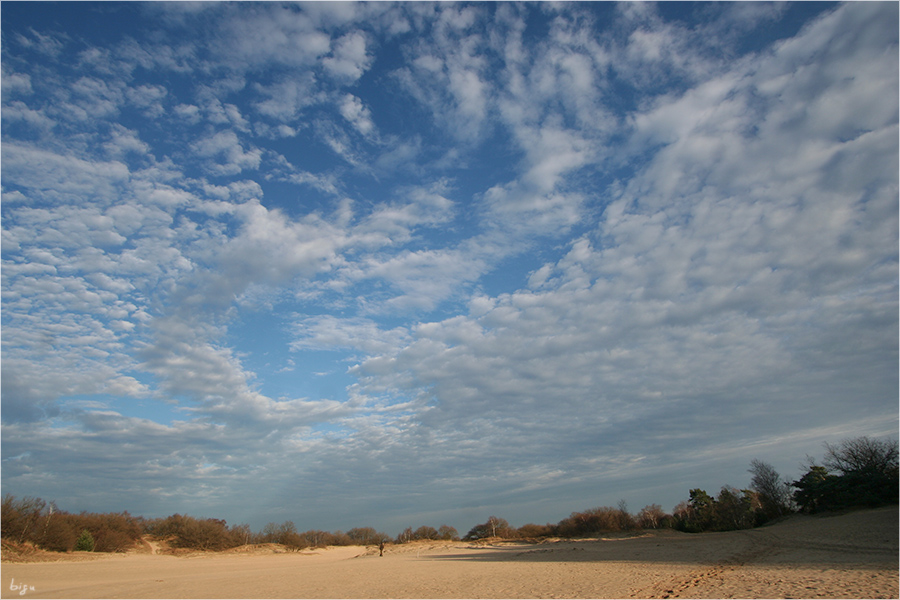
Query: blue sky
{"x": 411, "y": 264}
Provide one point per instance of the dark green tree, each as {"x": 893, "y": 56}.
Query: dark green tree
{"x": 85, "y": 542}
{"x": 703, "y": 510}
{"x": 735, "y": 509}
{"x": 815, "y": 490}
{"x": 857, "y": 472}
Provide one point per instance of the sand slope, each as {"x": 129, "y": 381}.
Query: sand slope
{"x": 848, "y": 556}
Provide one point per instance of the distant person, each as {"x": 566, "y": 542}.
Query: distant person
{"x": 381, "y": 548}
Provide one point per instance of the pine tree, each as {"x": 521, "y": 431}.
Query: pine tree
{"x": 85, "y": 542}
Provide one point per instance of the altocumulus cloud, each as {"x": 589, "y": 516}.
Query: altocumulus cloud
{"x": 403, "y": 264}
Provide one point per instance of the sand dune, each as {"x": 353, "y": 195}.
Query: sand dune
{"x": 847, "y": 556}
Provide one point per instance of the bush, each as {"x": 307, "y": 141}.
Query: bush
{"x": 19, "y": 518}
{"x": 112, "y": 532}
{"x": 205, "y": 534}
{"x": 594, "y": 521}
{"x": 315, "y": 538}
{"x": 288, "y": 536}
{"x": 425, "y": 532}
{"x": 59, "y": 534}
{"x": 531, "y": 530}
{"x": 197, "y": 534}
{"x": 44, "y": 525}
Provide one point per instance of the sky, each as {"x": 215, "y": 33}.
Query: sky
{"x": 395, "y": 265}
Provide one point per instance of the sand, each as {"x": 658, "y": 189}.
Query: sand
{"x": 854, "y": 555}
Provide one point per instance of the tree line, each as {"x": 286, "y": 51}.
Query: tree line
{"x": 42, "y": 524}
{"x": 861, "y": 472}
{"x": 856, "y": 473}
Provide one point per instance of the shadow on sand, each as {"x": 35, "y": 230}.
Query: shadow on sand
{"x": 843, "y": 541}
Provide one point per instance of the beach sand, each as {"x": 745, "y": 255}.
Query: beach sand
{"x": 853, "y": 555}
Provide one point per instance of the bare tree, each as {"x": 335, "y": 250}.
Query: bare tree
{"x": 493, "y": 527}
{"x": 651, "y": 516}
{"x": 270, "y": 533}
{"x": 21, "y": 517}
{"x": 241, "y": 534}
{"x": 861, "y": 454}
{"x": 363, "y": 535}
{"x": 405, "y": 536}
{"x": 774, "y": 493}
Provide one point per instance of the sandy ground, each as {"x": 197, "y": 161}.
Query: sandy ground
{"x": 845, "y": 556}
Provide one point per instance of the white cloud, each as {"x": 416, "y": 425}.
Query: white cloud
{"x": 287, "y": 98}
{"x": 469, "y": 93}
{"x": 272, "y": 33}
{"x": 48, "y": 44}
{"x": 124, "y": 141}
{"x": 188, "y": 112}
{"x": 655, "y": 50}
{"x": 331, "y": 333}
{"x": 16, "y": 83}
{"x": 272, "y": 248}
{"x": 225, "y": 146}
{"x": 19, "y": 111}
{"x": 448, "y": 74}
{"x": 92, "y": 98}
{"x": 520, "y": 210}
{"x": 424, "y": 278}
{"x": 61, "y": 178}
{"x": 220, "y": 113}
{"x": 348, "y": 60}
{"x": 395, "y": 223}
{"x": 149, "y": 98}
{"x": 357, "y": 114}
{"x": 324, "y": 183}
